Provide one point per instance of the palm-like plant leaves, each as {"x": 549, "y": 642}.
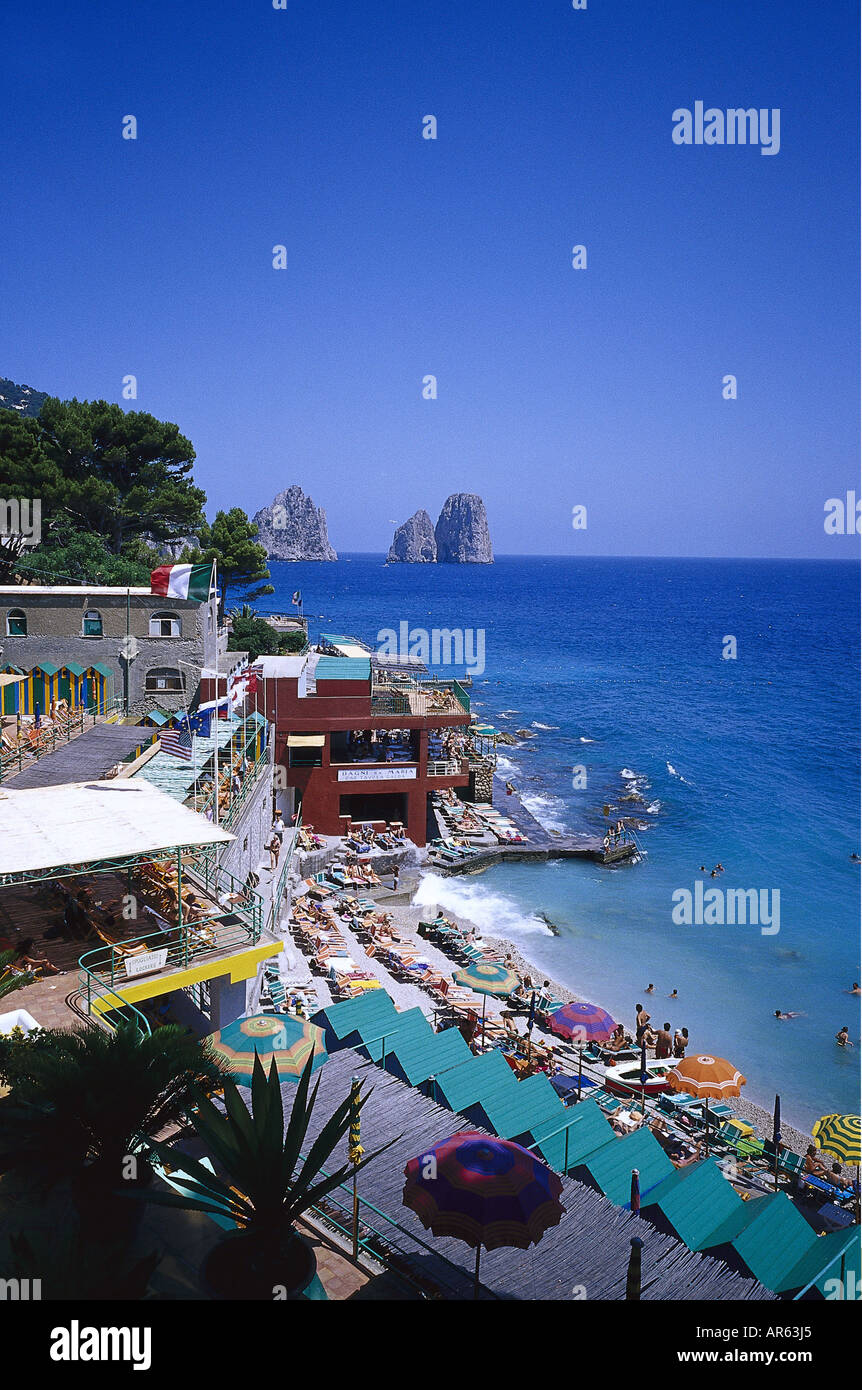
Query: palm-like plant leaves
{"x": 262, "y": 1192}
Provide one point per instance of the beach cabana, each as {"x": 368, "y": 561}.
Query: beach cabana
{"x": 415, "y": 1057}
{"x": 610, "y": 1167}
{"x": 515, "y": 1110}
{"x": 476, "y": 1077}
{"x": 565, "y": 1140}
{"x": 697, "y": 1201}
{"x": 98, "y": 686}
{"x": 354, "y": 1021}
{"x": 10, "y": 691}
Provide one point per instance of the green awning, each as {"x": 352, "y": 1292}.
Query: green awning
{"x": 102, "y": 669}
{"x": 157, "y": 717}
{"x": 74, "y": 669}
{"x": 47, "y": 668}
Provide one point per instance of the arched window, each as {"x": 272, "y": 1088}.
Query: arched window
{"x": 165, "y": 625}
{"x": 16, "y": 623}
{"x": 164, "y": 678}
{"x": 92, "y": 623}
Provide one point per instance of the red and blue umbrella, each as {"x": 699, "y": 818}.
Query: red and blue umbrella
{"x": 584, "y": 1022}
{"x": 483, "y": 1191}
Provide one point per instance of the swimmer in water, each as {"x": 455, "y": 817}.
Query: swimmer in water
{"x": 650, "y": 989}
{"x": 779, "y": 1014}
{"x": 855, "y": 857}
{"x": 855, "y": 988}
{"x": 673, "y": 994}
{"x": 843, "y": 1038}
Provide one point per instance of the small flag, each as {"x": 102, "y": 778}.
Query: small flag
{"x": 200, "y": 722}
{"x": 297, "y": 598}
{"x": 182, "y": 581}
{"x": 176, "y": 742}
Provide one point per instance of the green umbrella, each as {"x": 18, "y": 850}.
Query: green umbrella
{"x": 291, "y": 1041}
{"x": 487, "y": 977}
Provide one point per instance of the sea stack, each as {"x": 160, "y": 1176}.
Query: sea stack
{"x": 414, "y": 542}
{"x": 293, "y": 528}
{"x": 462, "y": 531}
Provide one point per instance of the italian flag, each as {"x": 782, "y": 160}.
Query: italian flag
{"x": 182, "y": 581}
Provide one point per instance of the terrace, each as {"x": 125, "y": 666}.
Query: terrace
{"x": 147, "y": 899}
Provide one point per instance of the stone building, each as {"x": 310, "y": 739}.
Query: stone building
{"x": 76, "y": 642}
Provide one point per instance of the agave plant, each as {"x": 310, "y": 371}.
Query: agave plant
{"x": 266, "y": 1184}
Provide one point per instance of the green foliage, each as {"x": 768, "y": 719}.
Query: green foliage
{"x": 120, "y": 477}
{"x": 80, "y": 1098}
{"x": 255, "y": 636}
{"x": 267, "y": 1185}
{"x": 83, "y": 559}
{"x": 241, "y": 560}
{"x": 293, "y": 641}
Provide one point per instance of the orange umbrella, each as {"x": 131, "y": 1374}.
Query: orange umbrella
{"x": 706, "y": 1076}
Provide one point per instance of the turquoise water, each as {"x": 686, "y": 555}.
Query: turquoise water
{"x": 752, "y": 762}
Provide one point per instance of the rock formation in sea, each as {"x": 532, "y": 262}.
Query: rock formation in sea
{"x": 462, "y": 531}
{"x": 293, "y": 528}
{"x": 414, "y": 542}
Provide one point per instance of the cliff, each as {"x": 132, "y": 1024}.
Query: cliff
{"x": 462, "y": 531}
{"x": 414, "y": 542}
{"x": 293, "y": 528}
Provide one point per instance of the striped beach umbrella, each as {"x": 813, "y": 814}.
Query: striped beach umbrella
{"x": 487, "y": 977}
{"x": 487, "y": 1192}
{"x": 291, "y": 1041}
{"x": 706, "y": 1077}
{"x": 838, "y": 1135}
{"x": 581, "y": 1021}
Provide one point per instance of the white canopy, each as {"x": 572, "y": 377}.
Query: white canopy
{"x": 84, "y": 822}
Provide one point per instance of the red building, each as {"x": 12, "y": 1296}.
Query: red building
{"x": 359, "y": 742}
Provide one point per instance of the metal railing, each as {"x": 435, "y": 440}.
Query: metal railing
{"x": 451, "y": 768}
{"x": 239, "y": 926}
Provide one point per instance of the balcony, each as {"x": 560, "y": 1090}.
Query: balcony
{"x": 225, "y": 923}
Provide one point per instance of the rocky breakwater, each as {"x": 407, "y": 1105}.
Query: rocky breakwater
{"x": 292, "y": 528}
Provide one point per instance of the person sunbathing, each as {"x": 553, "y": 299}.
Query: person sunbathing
{"x": 33, "y": 964}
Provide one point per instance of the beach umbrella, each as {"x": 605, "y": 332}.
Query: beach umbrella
{"x": 839, "y": 1136}
{"x": 485, "y": 1191}
{"x": 487, "y": 977}
{"x": 705, "y": 1076}
{"x": 635, "y": 1202}
{"x": 586, "y": 1022}
{"x": 291, "y": 1041}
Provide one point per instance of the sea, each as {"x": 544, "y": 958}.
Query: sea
{"x": 743, "y": 752}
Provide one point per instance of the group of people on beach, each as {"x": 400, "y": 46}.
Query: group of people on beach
{"x": 665, "y": 1044}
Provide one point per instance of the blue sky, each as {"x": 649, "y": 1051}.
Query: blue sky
{"x": 406, "y": 257}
